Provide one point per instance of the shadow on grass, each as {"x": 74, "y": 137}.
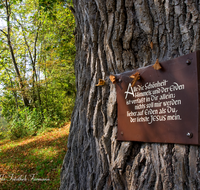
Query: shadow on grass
{"x": 33, "y": 165}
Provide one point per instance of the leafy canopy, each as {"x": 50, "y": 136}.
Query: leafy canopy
{"x": 41, "y": 36}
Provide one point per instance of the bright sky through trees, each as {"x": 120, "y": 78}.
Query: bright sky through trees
{"x": 2, "y": 23}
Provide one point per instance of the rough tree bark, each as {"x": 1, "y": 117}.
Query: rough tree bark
{"x": 114, "y": 36}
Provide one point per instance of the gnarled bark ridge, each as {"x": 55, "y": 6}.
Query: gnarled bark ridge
{"x": 114, "y": 36}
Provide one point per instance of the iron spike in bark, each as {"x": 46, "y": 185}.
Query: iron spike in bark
{"x": 112, "y": 78}
{"x": 135, "y": 78}
{"x": 101, "y": 82}
{"x": 157, "y": 65}
{"x": 151, "y": 45}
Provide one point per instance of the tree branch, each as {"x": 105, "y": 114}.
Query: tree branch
{"x": 21, "y": 84}
{"x": 26, "y": 42}
{"x": 4, "y": 32}
{"x": 35, "y": 43}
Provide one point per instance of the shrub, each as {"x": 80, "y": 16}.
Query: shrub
{"x": 29, "y": 122}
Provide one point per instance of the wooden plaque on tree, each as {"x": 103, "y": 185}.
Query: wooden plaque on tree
{"x": 163, "y": 105}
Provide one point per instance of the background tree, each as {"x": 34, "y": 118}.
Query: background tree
{"x": 7, "y": 11}
{"x": 112, "y": 37}
{"x": 37, "y": 50}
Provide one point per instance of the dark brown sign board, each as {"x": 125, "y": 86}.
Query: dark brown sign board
{"x": 163, "y": 106}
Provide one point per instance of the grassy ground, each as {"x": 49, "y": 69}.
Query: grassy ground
{"x": 33, "y": 163}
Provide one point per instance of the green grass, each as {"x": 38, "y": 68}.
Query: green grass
{"x": 33, "y": 163}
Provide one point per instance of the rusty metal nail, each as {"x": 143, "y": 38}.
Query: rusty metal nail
{"x": 122, "y": 133}
{"x": 190, "y": 135}
{"x": 188, "y": 62}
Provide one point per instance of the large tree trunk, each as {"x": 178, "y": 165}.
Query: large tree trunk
{"x": 114, "y": 36}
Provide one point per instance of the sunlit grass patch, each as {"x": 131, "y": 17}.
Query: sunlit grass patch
{"x": 47, "y": 153}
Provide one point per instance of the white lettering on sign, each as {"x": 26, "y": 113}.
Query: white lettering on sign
{"x": 153, "y": 102}
{"x": 128, "y": 91}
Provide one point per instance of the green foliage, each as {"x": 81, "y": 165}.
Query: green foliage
{"x": 48, "y": 5}
{"x": 42, "y": 39}
{"x": 24, "y": 123}
{"x": 17, "y": 129}
{"x": 30, "y": 122}
{"x": 3, "y": 127}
